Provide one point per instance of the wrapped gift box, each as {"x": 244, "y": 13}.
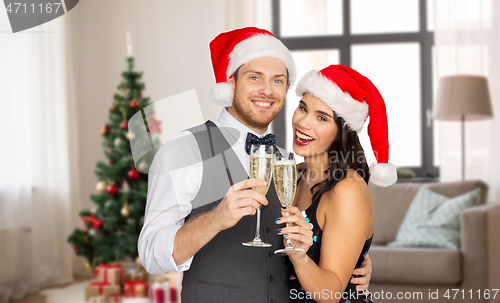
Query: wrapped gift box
{"x": 135, "y": 289}
{"x": 161, "y": 292}
{"x": 96, "y": 289}
{"x": 109, "y": 273}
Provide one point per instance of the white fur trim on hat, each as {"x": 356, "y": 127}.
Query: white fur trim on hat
{"x": 351, "y": 110}
{"x": 259, "y": 46}
{"x": 221, "y": 94}
{"x": 383, "y": 174}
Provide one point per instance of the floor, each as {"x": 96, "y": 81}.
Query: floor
{"x": 39, "y": 298}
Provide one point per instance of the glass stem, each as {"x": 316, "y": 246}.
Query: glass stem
{"x": 257, "y": 231}
{"x": 288, "y": 241}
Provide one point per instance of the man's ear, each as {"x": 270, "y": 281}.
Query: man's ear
{"x": 231, "y": 81}
{"x": 287, "y": 87}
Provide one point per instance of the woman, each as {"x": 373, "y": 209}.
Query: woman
{"x": 332, "y": 189}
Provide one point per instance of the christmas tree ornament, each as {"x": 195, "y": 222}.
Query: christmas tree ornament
{"x": 105, "y": 130}
{"x": 142, "y": 166}
{"x": 113, "y": 108}
{"x": 93, "y": 210}
{"x": 125, "y": 211}
{"x": 124, "y": 125}
{"x": 93, "y": 232}
{"x": 133, "y": 174}
{"x": 125, "y": 187}
{"x": 130, "y": 136}
{"x": 134, "y": 104}
{"x": 117, "y": 142}
{"x": 101, "y": 186}
{"x": 110, "y": 151}
{"x": 88, "y": 267}
{"x": 112, "y": 189}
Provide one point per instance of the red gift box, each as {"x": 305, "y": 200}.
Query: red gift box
{"x": 109, "y": 273}
{"x": 95, "y": 289}
{"x": 136, "y": 289}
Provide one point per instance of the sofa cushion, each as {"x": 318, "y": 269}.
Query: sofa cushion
{"x": 424, "y": 266}
{"x": 391, "y": 203}
{"x": 433, "y": 220}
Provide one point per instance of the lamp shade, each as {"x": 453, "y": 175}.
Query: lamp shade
{"x": 463, "y": 95}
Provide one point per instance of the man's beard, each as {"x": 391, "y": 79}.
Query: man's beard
{"x": 248, "y": 116}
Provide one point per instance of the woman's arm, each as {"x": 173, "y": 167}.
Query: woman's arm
{"x": 348, "y": 217}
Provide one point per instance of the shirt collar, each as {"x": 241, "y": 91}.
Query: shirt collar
{"x": 226, "y": 120}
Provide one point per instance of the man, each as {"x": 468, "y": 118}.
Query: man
{"x": 190, "y": 211}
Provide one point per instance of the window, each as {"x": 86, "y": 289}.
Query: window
{"x": 389, "y": 41}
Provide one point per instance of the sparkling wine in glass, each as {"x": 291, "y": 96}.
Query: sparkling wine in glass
{"x": 261, "y": 165}
{"x": 285, "y": 182}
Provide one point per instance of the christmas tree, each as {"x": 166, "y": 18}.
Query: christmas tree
{"x": 113, "y": 226}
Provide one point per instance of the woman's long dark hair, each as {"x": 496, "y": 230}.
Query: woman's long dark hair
{"x": 345, "y": 153}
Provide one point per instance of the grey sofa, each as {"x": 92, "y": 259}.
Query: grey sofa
{"x": 419, "y": 274}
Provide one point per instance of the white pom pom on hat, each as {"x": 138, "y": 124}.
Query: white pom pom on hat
{"x": 232, "y": 49}
{"x": 354, "y": 97}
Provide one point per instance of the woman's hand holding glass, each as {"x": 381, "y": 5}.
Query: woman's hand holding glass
{"x": 298, "y": 232}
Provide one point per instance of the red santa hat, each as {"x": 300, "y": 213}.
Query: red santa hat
{"x": 353, "y": 97}
{"x": 231, "y": 50}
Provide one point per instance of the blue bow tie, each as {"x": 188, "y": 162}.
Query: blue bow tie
{"x": 269, "y": 139}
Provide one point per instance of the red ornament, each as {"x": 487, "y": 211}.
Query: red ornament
{"x": 105, "y": 130}
{"x": 110, "y": 151}
{"x": 133, "y": 174}
{"x": 134, "y": 104}
{"x": 124, "y": 125}
{"x": 113, "y": 108}
{"x": 112, "y": 189}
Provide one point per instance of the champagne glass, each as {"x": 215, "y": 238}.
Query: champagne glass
{"x": 261, "y": 165}
{"x": 285, "y": 182}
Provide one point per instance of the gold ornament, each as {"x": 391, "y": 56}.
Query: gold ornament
{"x": 125, "y": 211}
{"x": 130, "y": 136}
{"x": 88, "y": 267}
{"x": 101, "y": 186}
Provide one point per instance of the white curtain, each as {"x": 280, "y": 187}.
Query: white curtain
{"x": 467, "y": 41}
{"x": 36, "y": 134}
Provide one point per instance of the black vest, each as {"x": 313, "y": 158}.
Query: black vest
{"x": 224, "y": 270}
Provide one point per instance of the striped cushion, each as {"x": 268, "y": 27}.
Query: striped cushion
{"x": 433, "y": 220}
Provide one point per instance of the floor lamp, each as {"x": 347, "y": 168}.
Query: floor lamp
{"x": 463, "y": 98}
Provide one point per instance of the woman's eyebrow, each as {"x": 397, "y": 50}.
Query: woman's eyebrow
{"x": 318, "y": 111}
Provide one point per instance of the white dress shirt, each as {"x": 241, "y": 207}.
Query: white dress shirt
{"x": 172, "y": 187}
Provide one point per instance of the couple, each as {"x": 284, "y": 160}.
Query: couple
{"x": 195, "y": 224}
